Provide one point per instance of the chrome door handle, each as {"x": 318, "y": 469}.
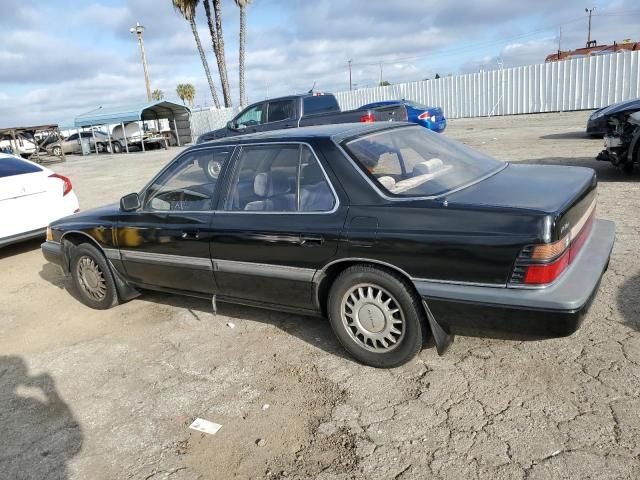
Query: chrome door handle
{"x": 190, "y": 235}
{"x": 311, "y": 241}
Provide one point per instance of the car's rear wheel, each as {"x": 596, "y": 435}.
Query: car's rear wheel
{"x": 376, "y": 315}
{"x": 92, "y": 277}
{"x": 57, "y": 151}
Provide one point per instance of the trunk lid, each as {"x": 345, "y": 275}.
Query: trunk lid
{"x": 564, "y": 194}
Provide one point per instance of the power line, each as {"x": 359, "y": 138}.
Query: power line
{"x": 488, "y": 43}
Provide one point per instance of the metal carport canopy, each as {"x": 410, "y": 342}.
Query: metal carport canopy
{"x": 131, "y": 113}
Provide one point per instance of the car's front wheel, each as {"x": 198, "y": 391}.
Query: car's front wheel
{"x": 377, "y": 316}
{"x": 57, "y": 151}
{"x": 92, "y": 277}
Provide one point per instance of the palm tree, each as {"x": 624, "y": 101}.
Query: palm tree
{"x": 187, "y": 8}
{"x": 157, "y": 95}
{"x": 242, "y": 4}
{"x": 217, "y": 38}
{"x": 186, "y": 92}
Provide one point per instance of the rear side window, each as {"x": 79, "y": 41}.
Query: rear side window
{"x": 320, "y": 104}
{"x": 279, "y": 178}
{"x": 278, "y": 111}
{"x": 11, "y": 166}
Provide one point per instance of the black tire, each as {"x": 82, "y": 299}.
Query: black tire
{"x": 116, "y": 147}
{"x": 88, "y": 254}
{"x": 57, "y": 151}
{"x": 390, "y": 285}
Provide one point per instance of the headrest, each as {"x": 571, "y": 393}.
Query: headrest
{"x": 268, "y": 184}
{"x": 311, "y": 174}
{"x": 428, "y": 166}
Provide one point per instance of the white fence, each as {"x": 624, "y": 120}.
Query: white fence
{"x": 578, "y": 84}
{"x": 205, "y": 120}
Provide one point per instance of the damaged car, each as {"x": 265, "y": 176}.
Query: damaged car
{"x": 391, "y": 231}
{"x": 622, "y": 140}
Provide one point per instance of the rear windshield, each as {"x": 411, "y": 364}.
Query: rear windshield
{"x": 10, "y": 166}
{"x": 320, "y": 104}
{"x": 413, "y": 161}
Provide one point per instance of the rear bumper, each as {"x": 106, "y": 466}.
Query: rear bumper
{"x": 556, "y": 310}
{"x": 52, "y": 252}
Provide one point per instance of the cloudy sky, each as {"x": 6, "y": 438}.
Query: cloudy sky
{"x": 63, "y": 58}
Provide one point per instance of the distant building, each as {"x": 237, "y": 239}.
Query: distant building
{"x": 626, "y": 45}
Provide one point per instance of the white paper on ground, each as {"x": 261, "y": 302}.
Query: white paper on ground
{"x": 205, "y": 426}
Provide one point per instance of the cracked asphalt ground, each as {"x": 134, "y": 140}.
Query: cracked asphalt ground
{"x": 109, "y": 394}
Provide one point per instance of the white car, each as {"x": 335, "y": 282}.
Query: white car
{"x": 24, "y": 146}
{"x": 31, "y": 197}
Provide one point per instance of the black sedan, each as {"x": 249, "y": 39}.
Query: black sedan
{"x": 391, "y": 231}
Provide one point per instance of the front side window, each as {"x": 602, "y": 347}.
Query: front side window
{"x": 188, "y": 184}
{"x": 279, "y": 178}
{"x": 411, "y": 161}
{"x": 250, "y": 118}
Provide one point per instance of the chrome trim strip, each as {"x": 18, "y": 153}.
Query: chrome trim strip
{"x": 264, "y": 270}
{"x": 408, "y": 199}
{"x": 167, "y": 259}
{"x": 458, "y": 282}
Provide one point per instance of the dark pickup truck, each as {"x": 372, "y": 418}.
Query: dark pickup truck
{"x": 301, "y": 111}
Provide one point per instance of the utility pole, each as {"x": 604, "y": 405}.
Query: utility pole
{"x": 589, "y": 11}
{"x": 138, "y": 29}
{"x": 380, "y": 82}
{"x": 350, "y": 84}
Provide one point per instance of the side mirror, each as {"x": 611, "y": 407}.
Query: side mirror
{"x": 130, "y": 202}
{"x": 231, "y": 125}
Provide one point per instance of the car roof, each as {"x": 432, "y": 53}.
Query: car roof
{"x": 335, "y": 131}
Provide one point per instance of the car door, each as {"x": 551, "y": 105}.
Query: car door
{"x": 165, "y": 243}
{"x": 25, "y": 201}
{"x": 281, "y": 114}
{"x": 279, "y": 221}
{"x": 251, "y": 120}
{"x": 72, "y": 144}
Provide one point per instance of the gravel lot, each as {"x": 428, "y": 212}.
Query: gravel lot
{"x": 109, "y": 394}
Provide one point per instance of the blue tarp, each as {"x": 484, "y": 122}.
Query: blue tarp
{"x": 131, "y": 113}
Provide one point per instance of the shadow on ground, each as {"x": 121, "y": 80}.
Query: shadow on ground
{"x": 314, "y": 330}
{"x": 628, "y": 304}
{"x": 20, "y": 247}
{"x": 38, "y": 431}
{"x": 566, "y": 136}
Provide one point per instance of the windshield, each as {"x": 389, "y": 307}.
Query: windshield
{"x": 415, "y": 162}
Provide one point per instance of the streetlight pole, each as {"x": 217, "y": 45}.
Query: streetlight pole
{"x": 350, "y": 85}
{"x": 138, "y": 29}
{"x": 589, "y": 11}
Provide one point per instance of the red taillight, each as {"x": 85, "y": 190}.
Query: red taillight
{"x": 368, "y": 118}
{"x": 541, "y": 274}
{"x": 66, "y": 183}
{"x": 544, "y": 273}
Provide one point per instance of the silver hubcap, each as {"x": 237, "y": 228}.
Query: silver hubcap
{"x": 372, "y": 317}
{"x": 91, "y": 278}
{"x": 214, "y": 168}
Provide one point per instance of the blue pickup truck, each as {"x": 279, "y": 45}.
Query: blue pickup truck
{"x": 301, "y": 111}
